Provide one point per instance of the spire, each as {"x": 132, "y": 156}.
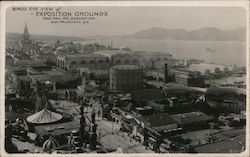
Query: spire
{"x": 26, "y": 35}
{"x": 26, "y": 29}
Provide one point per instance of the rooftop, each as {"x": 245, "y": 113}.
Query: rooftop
{"x": 184, "y": 90}
{"x": 52, "y": 73}
{"x": 126, "y": 67}
{"x": 110, "y": 53}
{"x": 41, "y": 77}
{"x": 147, "y": 94}
{"x": 225, "y": 91}
{"x": 159, "y": 119}
{"x": 191, "y": 117}
{"x": 227, "y": 146}
{"x": 57, "y": 129}
{"x": 63, "y": 79}
{"x": 188, "y": 73}
{"x": 79, "y": 55}
{"x": 41, "y": 68}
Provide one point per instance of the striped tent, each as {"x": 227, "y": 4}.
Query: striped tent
{"x": 44, "y": 116}
{"x": 50, "y": 144}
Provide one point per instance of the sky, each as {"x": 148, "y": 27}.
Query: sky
{"x": 128, "y": 20}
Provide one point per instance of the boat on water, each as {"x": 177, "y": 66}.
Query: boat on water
{"x": 210, "y": 49}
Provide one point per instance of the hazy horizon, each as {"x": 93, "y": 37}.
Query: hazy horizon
{"x": 125, "y": 34}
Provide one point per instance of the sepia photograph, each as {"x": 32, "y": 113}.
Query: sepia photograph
{"x": 91, "y": 79}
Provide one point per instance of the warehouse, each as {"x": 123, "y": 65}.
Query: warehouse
{"x": 126, "y": 77}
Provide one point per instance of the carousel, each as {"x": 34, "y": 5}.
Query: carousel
{"x": 44, "y": 116}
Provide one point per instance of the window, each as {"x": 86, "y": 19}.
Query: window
{"x": 92, "y": 62}
{"x": 83, "y": 62}
{"x": 100, "y": 61}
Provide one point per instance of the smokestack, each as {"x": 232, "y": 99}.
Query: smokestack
{"x": 166, "y": 73}
{"x": 153, "y": 65}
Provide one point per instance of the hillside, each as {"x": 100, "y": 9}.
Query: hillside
{"x": 208, "y": 34}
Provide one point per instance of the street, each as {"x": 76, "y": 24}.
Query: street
{"x": 119, "y": 139}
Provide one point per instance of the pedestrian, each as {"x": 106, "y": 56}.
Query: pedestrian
{"x": 66, "y": 95}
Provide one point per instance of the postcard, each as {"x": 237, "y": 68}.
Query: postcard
{"x": 130, "y": 78}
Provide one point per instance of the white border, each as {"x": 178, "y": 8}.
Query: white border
{"x": 5, "y": 5}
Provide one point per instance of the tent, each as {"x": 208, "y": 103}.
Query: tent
{"x": 50, "y": 144}
{"x": 44, "y": 116}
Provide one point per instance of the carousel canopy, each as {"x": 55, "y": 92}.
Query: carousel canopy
{"x": 44, "y": 116}
{"x": 50, "y": 144}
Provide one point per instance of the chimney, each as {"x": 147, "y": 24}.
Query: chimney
{"x": 153, "y": 65}
{"x": 166, "y": 73}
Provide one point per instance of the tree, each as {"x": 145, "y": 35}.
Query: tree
{"x": 226, "y": 70}
{"x": 217, "y": 70}
{"x": 93, "y": 117}
{"x": 145, "y": 133}
{"x": 207, "y": 71}
{"x": 82, "y": 125}
{"x": 93, "y": 141}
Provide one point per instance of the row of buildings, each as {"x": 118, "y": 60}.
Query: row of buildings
{"x": 154, "y": 118}
{"x": 106, "y": 63}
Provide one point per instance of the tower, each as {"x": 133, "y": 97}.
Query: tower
{"x": 166, "y": 80}
{"x": 27, "y": 46}
{"x": 26, "y": 35}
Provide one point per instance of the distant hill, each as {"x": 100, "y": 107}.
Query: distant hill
{"x": 209, "y": 34}
{"x": 18, "y": 36}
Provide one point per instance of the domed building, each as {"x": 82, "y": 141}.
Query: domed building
{"x": 226, "y": 99}
{"x": 50, "y": 144}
